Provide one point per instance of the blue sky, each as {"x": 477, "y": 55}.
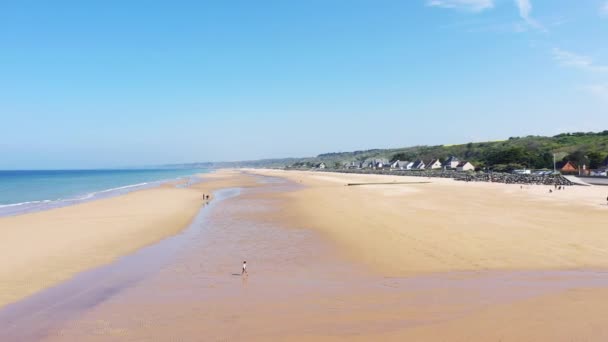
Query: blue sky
{"x": 87, "y": 84}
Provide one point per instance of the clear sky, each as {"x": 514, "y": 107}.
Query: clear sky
{"x": 87, "y": 84}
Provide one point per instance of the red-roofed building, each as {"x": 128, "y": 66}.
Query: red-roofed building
{"x": 569, "y": 167}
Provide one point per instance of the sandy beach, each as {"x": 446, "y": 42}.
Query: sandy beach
{"x": 44, "y": 248}
{"x": 438, "y": 261}
{"x": 445, "y": 225}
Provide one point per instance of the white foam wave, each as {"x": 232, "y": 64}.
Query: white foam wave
{"x": 91, "y": 195}
{"x": 23, "y": 203}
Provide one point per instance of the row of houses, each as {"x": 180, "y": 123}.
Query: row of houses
{"x": 451, "y": 163}
{"x": 582, "y": 170}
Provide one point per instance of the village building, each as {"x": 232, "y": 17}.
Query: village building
{"x": 381, "y": 164}
{"x": 353, "y": 165}
{"x": 368, "y": 164}
{"x": 568, "y": 167}
{"x": 375, "y": 164}
{"x": 434, "y": 164}
{"x": 320, "y": 165}
{"x": 399, "y": 165}
{"x": 465, "y": 166}
{"x": 451, "y": 163}
{"x": 418, "y": 165}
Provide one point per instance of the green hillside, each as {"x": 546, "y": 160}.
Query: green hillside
{"x": 516, "y": 152}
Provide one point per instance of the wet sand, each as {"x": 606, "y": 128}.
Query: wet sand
{"x": 45, "y": 248}
{"x": 308, "y": 283}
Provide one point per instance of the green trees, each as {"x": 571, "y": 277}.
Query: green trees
{"x": 518, "y": 152}
{"x": 403, "y": 156}
{"x": 544, "y": 160}
{"x": 596, "y": 159}
{"x": 510, "y": 155}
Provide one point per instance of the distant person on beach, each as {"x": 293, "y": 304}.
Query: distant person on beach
{"x": 244, "y": 271}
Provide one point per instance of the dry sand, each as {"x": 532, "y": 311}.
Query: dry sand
{"x": 44, "y": 248}
{"x": 449, "y": 226}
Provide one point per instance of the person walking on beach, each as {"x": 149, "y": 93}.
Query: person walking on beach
{"x": 244, "y": 271}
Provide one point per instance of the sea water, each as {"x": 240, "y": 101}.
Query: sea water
{"x": 28, "y": 191}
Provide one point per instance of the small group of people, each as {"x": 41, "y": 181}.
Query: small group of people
{"x": 556, "y": 187}
{"x": 205, "y": 197}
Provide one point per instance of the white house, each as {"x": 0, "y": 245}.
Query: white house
{"x": 400, "y": 165}
{"x": 418, "y": 165}
{"x": 368, "y": 164}
{"x": 375, "y": 164}
{"x": 434, "y": 164}
{"x": 382, "y": 163}
{"x": 465, "y": 166}
{"x": 451, "y": 162}
{"x": 409, "y": 165}
{"x": 321, "y": 166}
{"x": 352, "y": 165}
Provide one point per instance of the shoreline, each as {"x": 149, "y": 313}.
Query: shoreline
{"x": 66, "y": 300}
{"x": 22, "y": 208}
{"x": 44, "y": 248}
